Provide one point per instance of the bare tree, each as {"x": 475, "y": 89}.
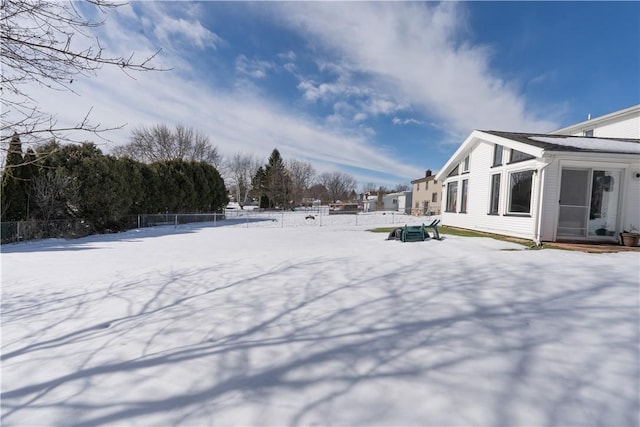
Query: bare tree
{"x": 302, "y": 175}
{"x": 401, "y": 187}
{"x": 338, "y": 184}
{"x": 160, "y": 142}
{"x": 240, "y": 170}
{"x": 55, "y": 194}
{"x": 49, "y": 43}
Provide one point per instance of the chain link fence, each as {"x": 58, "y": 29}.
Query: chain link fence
{"x": 312, "y": 217}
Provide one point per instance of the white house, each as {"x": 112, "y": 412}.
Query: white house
{"x": 399, "y": 201}
{"x": 545, "y": 187}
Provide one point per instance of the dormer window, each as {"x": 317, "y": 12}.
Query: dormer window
{"x": 588, "y": 132}
{"x": 454, "y": 172}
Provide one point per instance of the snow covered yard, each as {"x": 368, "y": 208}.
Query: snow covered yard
{"x": 308, "y": 325}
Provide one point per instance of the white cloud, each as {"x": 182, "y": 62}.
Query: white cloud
{"x": 157, "y": 18}
{"x": 414, "y": 49}
{"x": 399, "y": 121}
{"x": 252, "y": 67}
{"x": 287, "y": 56}
{"x": 359, "y": 117}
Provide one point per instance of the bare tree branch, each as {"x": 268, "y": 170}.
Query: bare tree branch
{"x": 50, "y": 43}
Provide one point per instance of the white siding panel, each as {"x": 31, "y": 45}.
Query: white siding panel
{"x": 550, "y": 201}
{"x": 629, "y": 128}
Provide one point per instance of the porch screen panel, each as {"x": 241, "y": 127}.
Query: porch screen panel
{"x": 574, "y": 203}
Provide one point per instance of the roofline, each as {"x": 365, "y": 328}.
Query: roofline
{"x": 600, "y": 119}
{"x": 490, "y": 138}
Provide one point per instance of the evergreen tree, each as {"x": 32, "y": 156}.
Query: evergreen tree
{"x": 30, "y": 172}
{"x": 278, "y": 182}
{"x": 13, "y": 193}
{"x": 259, "y": 187}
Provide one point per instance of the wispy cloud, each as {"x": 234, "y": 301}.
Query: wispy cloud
{"x": 253, "y": 67}
{"x": 399, "y": 121}
{"x": 414, "y": 49}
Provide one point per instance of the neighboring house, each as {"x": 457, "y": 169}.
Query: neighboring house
{"x": 369, "y": 202}
{"x": 620, "y": 124}
{"x": 399, "y": 201}
{"x": 545, "y": 187}
{"x": 426, "y": 194}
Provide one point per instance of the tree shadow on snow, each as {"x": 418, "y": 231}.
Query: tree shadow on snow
{"x": 333, "y": 343}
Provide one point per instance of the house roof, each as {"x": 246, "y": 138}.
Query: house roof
{"x": 573, "y": 143}
{"x": 537, "y": 145}
{"x": 424, "y": 179}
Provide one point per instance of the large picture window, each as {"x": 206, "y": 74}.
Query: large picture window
{"x": 520, "y": 192}
{"x": 495, "y": 194}
{"x": 452, "y": 196}
{"x": 463, "y": 196}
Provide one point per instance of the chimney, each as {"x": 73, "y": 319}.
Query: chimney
{"x": 427, "y": 173}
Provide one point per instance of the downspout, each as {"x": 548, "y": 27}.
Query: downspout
{"x": 539, "y": 198}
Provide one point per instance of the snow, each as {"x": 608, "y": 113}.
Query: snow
{"x": 596, "y": 144}
{"x": 287, "y": 322}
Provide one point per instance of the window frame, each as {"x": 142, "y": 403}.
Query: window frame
{"x": 464, "y": 192}
{"x": 434, "y": 197}
{"x": 494, "y": 195}
{"x": 523, "y": 159}
{"x": 510, "y": 175}
{"x": 452, "y": 202}
{"x": 498, "y": 161}
{"x": 465, "y": 164}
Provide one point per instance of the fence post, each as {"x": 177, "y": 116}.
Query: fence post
{"x": 175, "y": 221}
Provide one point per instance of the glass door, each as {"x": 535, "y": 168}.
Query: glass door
{"x": 603, "y": 212}
{"x": 588, "y": 203}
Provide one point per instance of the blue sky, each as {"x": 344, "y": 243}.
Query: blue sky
{"x": 379, "y": 90}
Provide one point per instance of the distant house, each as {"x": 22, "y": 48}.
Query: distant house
{"x": 547, "y": 187}
{"x": 426, "y": 194}
{"x": 399, "y": 201}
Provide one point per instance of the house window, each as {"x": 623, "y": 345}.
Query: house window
{"x": 454, "y": 172}
{"x": 417, "y": 205}
{"x": 497, "y": 155}
{"x": 452, "y": 196}
{"x": 465, "y": 164}
{"x": 434, "y": 197}
{"x": 463, "y": 201}
{"x": 519, "y": 156}
{"x": 418, "y": 187}
{"x": 588, "y": 132}
{"x": 520, "y": 192}
{"x": 495, "y": 194}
